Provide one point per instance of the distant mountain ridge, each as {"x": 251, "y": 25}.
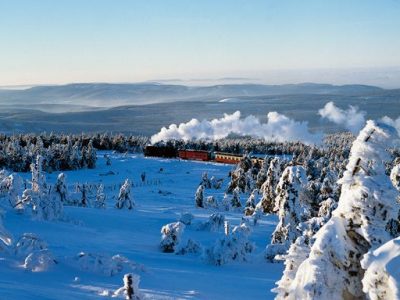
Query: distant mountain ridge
{"x": 115, "y": 94}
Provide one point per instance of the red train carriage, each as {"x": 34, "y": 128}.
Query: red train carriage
{"x": 228, "y": 158}
{"x": 194, "y": 155}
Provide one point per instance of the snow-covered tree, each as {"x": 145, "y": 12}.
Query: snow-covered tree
{"x": 214, "y": 223}
{"x": 39, "y": 260}
{"x": 291, "y": 210}
{"x": 171, "y": 236}
{"x": 102, "y": 264}
{"x": 381, "y": 281}
{"x": 267, "y": 202}
{"x": 251, "y": 203}
{"x": 333, "y": 269}
{"x": 45, "y": 204}
{"x": 199, "y": 196}
{"x": 100, "y": 201}
{"x": 235, "y": 201}
{"x": 5, "y": 237}
{"x": 60, "y": 188}
{"x": 124, "y": 197}
{"x": 233, "y": 247}
{"x": 130, "y": 289}
{"x": 186, "y": 218}
{"x": 211, "y": 202}
{"x": 205, "y": 181}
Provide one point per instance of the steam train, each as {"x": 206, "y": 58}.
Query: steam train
{"x": 199, "y": 155}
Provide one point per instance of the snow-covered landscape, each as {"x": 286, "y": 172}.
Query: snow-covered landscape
{"x": 203, "y": 150}
{"x": 320, "y": 223}
{"x": 135, "y": 235}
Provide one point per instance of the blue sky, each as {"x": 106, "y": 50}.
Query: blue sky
{"x": 126, "y": 41}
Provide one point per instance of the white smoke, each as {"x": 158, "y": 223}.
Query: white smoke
{"x": 392, "y": 122}
{"x": 351, "y": 118}
{"x": 278, "y": 128}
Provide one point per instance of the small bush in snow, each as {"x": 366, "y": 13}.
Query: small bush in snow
{"x": 28, "y": 243}
{"x": 214, "y": 223}
{"x": 130, "y": 289}
{"x": 39, "y": 260}
{"x": 100, "y": 201}
{"x": 211, "y": 202}
{"x": 186, "y": 218}
{"x": 233, "y": 247}
{"x": 170, "y": 236}
{"x": 102, "y": 264}
{"x": 205, "y": 181}
{"x": 124, "y": 197}
{"x": 5, "y": 237}
{"x": 191, "y": 247}
{"x": 199, "y": 196}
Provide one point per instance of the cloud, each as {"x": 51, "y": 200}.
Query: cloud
{"x": 351, "y": 119}
{"x": 278, "y": 128}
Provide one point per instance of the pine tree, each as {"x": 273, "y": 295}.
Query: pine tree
{"x": 171, "y": 236}
{"x": 60, "y": 188}
{"x": 199, "y": 196}
{"x": 124, "y": 197}
{"x": 266, "y": 204}
{"x": 100, "y": 201}
{"x": 292, "y": 210}
{"x": 333, "y": 269}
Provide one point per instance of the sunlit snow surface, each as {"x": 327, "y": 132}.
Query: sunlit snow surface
{"x": 136, "y": 235}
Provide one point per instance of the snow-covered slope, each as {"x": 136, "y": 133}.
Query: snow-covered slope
{"x": 87, "y": 236}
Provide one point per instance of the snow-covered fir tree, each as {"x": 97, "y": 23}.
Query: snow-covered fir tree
{"x": 5, "y": 237}
{"x": 251, "y": 203}
{"x": 124, "y": 197}
{"x": 45, "y": 204}
{"x": 100, "y": 201}
{"x": 130, "y": 289}
{"x": 60, "y": 188}
{"x": 235, "y": 201}
{"x": 171, "y": 236}
{"x": 199, "y": 196}
{"x": 235, "y": 246}
{"x": 267, "y": 202}
{"x": 367, "y": 202}
{"x": 291, "y": 210}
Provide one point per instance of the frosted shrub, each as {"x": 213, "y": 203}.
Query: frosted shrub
{"x": 39, "y": 260}
{"x": 60, "y": 188}
{"x": 45, "y": 204}
{"x": 191, "y": 247}
{"x": 28, "y": 243}
{"x": 171, "y": 236}
{"x": 100, "y": 201}
{"x": 211, "y": 202}
{"x": 124, "y": 197}
{"x": 199, "y": 196}
{"x": 233, "y": 247}
{"x": 205, "y": 181}
{"x": 103, "y": 264}
{"x": 215, "y": 222}
{"x": 5, "y": 237}
{"x": 130, "y": 289}
{"x": 235, "y": 201}
{"x": 186, "y": 218}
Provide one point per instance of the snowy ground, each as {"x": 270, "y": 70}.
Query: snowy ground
{"x": 136, "y": 235}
